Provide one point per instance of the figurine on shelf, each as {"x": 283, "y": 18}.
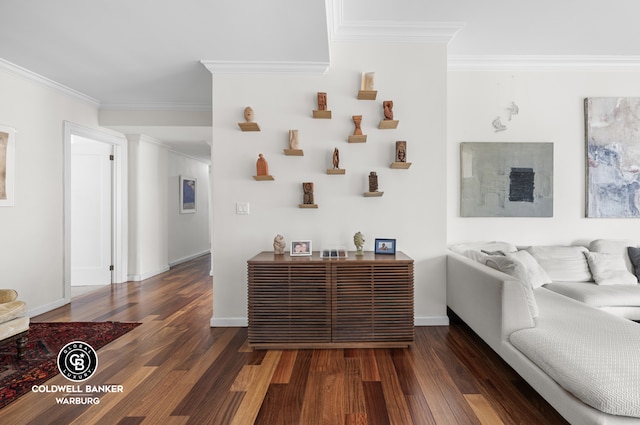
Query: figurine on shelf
{"x": 373, "y": 182}
{"x": 322, "y": 101}
{"x": 307, "y": 187}
{"x": 401, "y": 151}
{"x": 336, "y": 158}
{"x": 358, "y": 240}
{"x": 262, "y": 167}
{"x": 367, "y": 80}
{"x": 388, "y": 109}
{"x": 294, "y": 142}
{"x": 357, "y": 119}
{"x": 248, "y": 114}
{"x": 278, "y": 245}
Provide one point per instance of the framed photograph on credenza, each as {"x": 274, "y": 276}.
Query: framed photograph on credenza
{"x": 385, "y": 246}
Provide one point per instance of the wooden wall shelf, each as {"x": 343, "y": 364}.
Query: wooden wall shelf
{"x": 367, "y": 94}
{"x": 336, "y": 171}
{"x": 249, "y": 126}
{"x": 388, "y": 124}
{"x": 294, "y": 152}
{"x": 326, "y": 115}
{"x": 311, "y": 302}
{"x": 401, "y": 165}
{"x": 358, "y": 139}
{"x": 308, "y": 205}
{"x": 373, "y": 194}
{"x": 263, "y": 178}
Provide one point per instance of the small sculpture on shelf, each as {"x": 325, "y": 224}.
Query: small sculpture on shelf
{"x": 358, "y": 241}
{"x": 307, "y": 197}
{"x": 357, "y": 136}
{"x": 322, "y": 111}
{"x": 248, "y": 125}
{"x": 366, "y": 91}
{"x": 373, "y": 185}
{"x": 336, "y": 163}
{"x": 294, "y": 144}
{"x": 401, "y": 156}
{"x": 262, "y": 169}
{"x": 279, "y": 245}
{"x": 388, "y": 121}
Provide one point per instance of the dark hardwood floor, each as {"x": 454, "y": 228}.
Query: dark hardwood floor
{"x": 176, "y": 369}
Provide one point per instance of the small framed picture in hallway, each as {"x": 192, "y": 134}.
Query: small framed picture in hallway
{"x": 187, "y": 194}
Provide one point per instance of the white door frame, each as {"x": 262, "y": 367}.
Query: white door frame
{"x": 120, "y": 224}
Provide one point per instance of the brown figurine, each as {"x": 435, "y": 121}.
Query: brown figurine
{"x": 401, "y": 151}
{"x": 357, "y": 119}
{"x": 248, "y": 114}
{"x": 388, "y": 109}
{"x": 322, "y": 101}
{"x": 307, "y": 187}
{"x": 373, "y": 182}
{"x": 336, "y": 158}
{"x": 262, "y": 167}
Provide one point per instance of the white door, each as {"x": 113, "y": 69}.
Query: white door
{"x": 91, "y": 212}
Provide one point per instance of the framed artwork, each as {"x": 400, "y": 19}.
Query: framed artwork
{"x": 506, "y": 179}
{"x": 187, "y": 194}
{"x": 7, "y": 166}
{"x": 299, "y": 248}
{"x": 385, "y": 246}
{"x": 613, "y": 156}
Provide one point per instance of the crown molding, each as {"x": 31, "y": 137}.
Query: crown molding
{"x": 181, "y": 107}
{"x": 389, "y": 31}
{"x": 265, "y": 67}
{"x": 543, "y": 63}
{"x": 44, "y": 81}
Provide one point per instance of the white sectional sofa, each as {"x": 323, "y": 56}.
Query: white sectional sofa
{"x": 559, "y": 316}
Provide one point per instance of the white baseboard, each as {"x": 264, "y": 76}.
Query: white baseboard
{"x": 47, "y": 307}
{"x": 229, "y": 322}
{"x": 187, "y": 258}
{"x": 234, "y": 322}
{"x": 431, "y": 321}
{"x": 143, "y": 276}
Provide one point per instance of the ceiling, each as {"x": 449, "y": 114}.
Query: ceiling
{"x": 147, "y": 54}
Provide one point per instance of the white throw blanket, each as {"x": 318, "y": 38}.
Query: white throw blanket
{"x": 592, "y": 354}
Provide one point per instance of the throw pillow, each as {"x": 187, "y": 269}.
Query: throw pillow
{"x": 609, "y": 269}
{"x": 536, "y": 274}
{"x": 515, "y": 268}
{"x": 634, "y": 256}
{"x": 614, "y": 246}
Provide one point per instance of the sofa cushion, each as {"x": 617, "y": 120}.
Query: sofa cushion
{"x": 609, "y": 269}
{"x": 590, "y": 353}
{"x": 523, "y": 267}
{"x": 562, "y": 263}
{"x": 614, "y": 246}
{"x": 599, "y": 295}
{"x": 484, "y": 246}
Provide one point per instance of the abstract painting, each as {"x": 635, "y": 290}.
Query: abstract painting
{"x": 187, "y": 194}
{"x": 7, "y": 164}
{"x": 612, "y": 131}
{"x": 506, "y": 179}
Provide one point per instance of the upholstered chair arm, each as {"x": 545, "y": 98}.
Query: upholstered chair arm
{"x": 7, "y": 295}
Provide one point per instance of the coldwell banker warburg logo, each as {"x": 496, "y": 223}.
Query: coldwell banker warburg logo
{"x": 77, "y": 361}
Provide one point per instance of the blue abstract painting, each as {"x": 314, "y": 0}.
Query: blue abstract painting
{"x": 612, "y": 130}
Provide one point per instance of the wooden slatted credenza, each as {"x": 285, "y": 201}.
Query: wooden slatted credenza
{"x": 311, "y": 302}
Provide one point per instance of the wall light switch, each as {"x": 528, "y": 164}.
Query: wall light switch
{"x": 242, "y": 208}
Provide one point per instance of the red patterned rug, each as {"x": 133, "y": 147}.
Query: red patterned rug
{"x": 40, "y": 359}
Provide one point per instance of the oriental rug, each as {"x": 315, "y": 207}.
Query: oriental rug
{"x": 39, "y": 363}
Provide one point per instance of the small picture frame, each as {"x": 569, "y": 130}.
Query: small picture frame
{"x": 300, "y": 248}
{"x": 187, "y": 194}
{"x": 385, "y": 246}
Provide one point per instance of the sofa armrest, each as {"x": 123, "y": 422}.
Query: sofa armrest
{"x": 8, "y": 295}
{"x": 492, "y": 303}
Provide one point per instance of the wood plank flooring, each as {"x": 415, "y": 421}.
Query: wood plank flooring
{"x": 175, "y": 369}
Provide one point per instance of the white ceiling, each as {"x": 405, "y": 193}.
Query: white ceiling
{"x": 146, "y": 54}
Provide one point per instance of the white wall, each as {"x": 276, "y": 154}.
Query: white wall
{"x": 188, "y": 233}
{"x": 31, "y": 251}
{"x": 551, "y": 110}
{"x": 413, "y": 76}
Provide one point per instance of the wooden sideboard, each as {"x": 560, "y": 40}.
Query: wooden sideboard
{"x": 311, "y": 302}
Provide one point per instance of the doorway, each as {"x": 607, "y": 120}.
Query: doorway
{"x": 94, "y": 206}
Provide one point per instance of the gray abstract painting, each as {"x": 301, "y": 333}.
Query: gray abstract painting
{"x": 506, "y": 179}
{"x": 612, "y": 130}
